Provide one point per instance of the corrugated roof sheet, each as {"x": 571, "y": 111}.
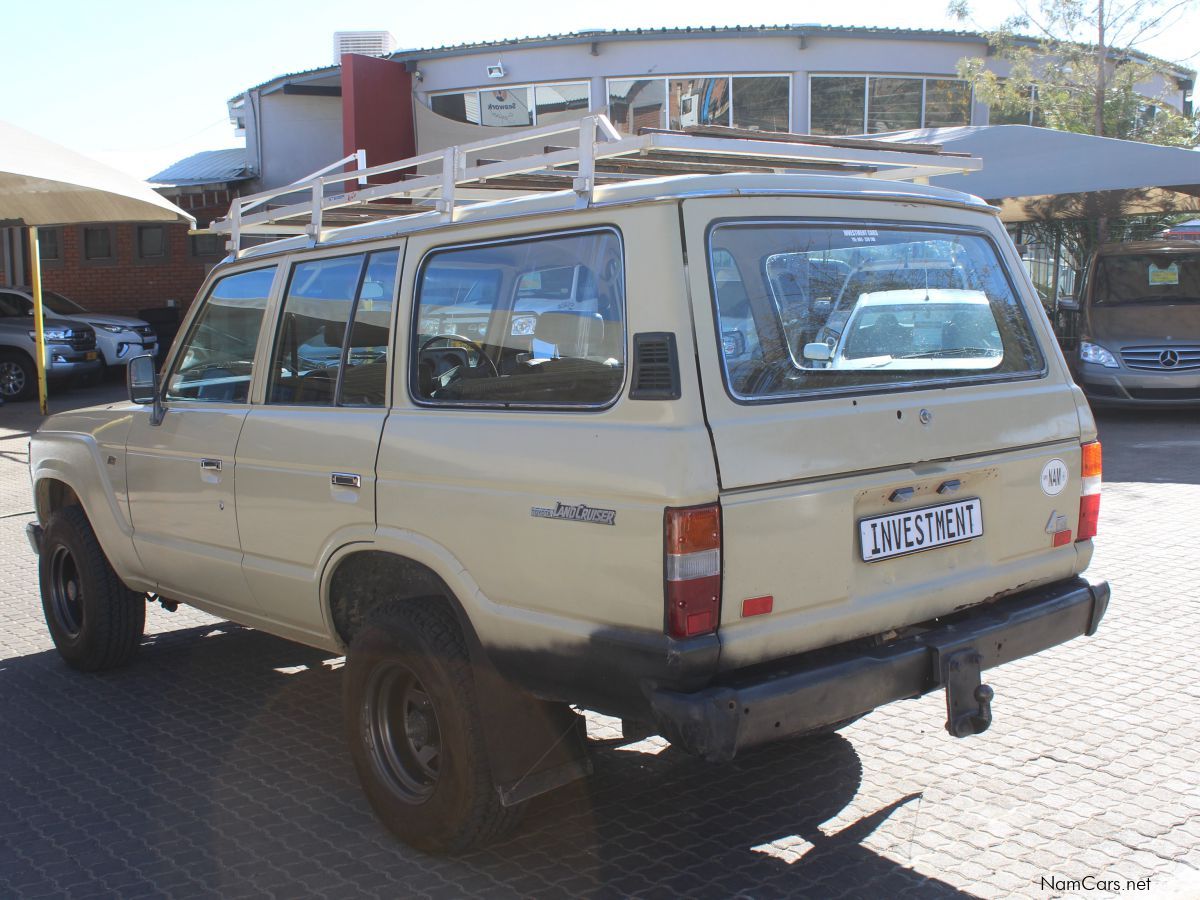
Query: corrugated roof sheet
{"x": 206, "y": 167}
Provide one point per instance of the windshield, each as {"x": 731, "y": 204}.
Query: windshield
{"x": 58, "y": 303}
{"x": 805, "y": 308}
{"x": 1147, "y": 278}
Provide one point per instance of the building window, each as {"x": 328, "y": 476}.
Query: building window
{"x": 762, "y": 103}
{"x": 634, "y": 104}
{"x": 49, "y": 245}
{"x": 151, "y": 242}
{"x": 516, "y": 106}
{"x": 868, "y": 104}
{"x": 560, "y": 102}
{"x": 755, "y": 102}
{"x": 206, "y": 245}
{"x": 98, "y": 242}
{"x": 1030, "y": 115}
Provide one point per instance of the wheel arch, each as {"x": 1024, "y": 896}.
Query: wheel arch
{"x": 50, "y": 494}
{"x": 368, "y": 576}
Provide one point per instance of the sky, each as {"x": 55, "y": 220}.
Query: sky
{"x": 140, "y": 84}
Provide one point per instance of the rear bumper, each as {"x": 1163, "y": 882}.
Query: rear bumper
{"x": 824, "y": 687}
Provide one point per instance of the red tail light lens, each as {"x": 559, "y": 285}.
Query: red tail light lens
{"x": 1089, "y": 500}
{"x": 692, "y": 587}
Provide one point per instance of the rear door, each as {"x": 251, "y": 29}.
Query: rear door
{"x": 306, "y": 457}
{"x": 947, "y": 401}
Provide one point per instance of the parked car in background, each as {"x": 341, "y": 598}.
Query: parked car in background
{"x": 1139, "y": 325}
{"x": 70, "y": 349}
{"x": 118, "y": 338}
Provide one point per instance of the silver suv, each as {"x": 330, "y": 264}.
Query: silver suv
{"x": 70, "y": 349}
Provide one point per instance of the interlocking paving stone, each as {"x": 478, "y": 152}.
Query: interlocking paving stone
{"x": 214, "y": 765}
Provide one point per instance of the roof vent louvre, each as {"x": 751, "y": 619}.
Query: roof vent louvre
{"x": 655, "y": 367}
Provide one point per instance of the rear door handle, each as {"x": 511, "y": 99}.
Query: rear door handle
{"x": 345, "y": 479}
{"x": 210, "y": 465}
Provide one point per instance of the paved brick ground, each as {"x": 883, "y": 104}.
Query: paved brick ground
{"x": 214, "y": 766}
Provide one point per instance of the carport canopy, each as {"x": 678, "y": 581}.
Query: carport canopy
{"x": 1034, "y": 174}
{"x": 43, "y": 183}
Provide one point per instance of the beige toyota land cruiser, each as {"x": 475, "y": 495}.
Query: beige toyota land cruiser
{"x": 599, "y": 447}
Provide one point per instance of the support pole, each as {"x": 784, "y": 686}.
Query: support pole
{"x": 35, "y": 278}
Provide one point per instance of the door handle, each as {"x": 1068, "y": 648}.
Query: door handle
{"x": 345, "y": 479}
{"x": 210, "y": 465}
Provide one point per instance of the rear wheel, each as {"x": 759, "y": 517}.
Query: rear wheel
{"x": 18, "y": 376}
{"x": 414, "y": 731}
{"x": 95, "y": 621}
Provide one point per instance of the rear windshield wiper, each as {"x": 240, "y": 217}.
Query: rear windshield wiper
{"x": 953, "y": 351}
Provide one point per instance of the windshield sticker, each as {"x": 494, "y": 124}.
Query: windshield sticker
{"x": 861, "y": 235}
{"x": 576, "y": 513}
{"x": 1169, "y": 275}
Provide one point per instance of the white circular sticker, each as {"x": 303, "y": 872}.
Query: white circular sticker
{"x": 1054, "y": 477}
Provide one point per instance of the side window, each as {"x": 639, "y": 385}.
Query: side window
{"x": 333, "y": 338}
{"x": 216, "y": 362}
{"x": 539, "y": 321}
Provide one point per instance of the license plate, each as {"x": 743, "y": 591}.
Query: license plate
{"x": 914, "y": 530}
{"x": 90, "y": 356}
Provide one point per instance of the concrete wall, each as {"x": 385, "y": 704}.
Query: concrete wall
{"x": 299, "y": 134}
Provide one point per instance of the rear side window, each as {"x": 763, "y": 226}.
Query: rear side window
{"x": 216, "y": 362}
{"x": 334, "y": 333}
{"x": 812, "y": 308}
{"x": 532, "y": 322}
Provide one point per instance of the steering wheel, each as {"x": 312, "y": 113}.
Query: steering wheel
{"x": 462, "y": 340}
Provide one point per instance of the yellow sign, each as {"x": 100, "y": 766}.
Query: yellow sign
{"x": 1169, "y": 275}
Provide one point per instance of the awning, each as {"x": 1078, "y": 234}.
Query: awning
{"x": 43, "y": 183}
{"x": 1038, "y": 173}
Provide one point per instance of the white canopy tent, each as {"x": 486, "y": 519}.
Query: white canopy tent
{"x": 1034, "y": 174}
{"x": 43, "y": 183}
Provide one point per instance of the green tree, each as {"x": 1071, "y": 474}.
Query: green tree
{"x": 1078, "y": 67}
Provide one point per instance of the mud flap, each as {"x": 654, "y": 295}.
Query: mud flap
{"x": 533, "y": 745}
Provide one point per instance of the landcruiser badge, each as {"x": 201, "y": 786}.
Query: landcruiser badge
{"x": 1054, "y": 477}
{"x": 576, "y": 513}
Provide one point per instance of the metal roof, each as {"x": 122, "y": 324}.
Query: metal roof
{"x": 206, "y": 167}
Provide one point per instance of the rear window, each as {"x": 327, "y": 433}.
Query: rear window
{"x": 812, "y": 308}
{"x": 1147, "y": 278}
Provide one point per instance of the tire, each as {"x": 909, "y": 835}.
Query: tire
{"x": 18, "y": 375}
{"x": 414, "y": 730}
{"x": 96, "y": 622}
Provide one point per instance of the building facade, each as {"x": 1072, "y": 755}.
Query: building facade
{"x": 804, "y": 79}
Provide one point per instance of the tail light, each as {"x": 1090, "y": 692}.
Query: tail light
{"x": 1089, "y": 500}
{"x": 692, "y": 586}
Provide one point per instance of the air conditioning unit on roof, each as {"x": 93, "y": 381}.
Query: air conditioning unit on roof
{"x": 364, "y": 43}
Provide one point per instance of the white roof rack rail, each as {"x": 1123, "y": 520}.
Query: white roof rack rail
{"x": 597, "y": 154}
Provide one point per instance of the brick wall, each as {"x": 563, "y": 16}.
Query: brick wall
{"x": 126, "y": 283}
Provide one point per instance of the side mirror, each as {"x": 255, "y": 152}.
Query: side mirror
{"x": 818, "y": 352}
{"x": 1068, "y": 303}
{"x": 140, "y": 379}
{"x": 142, "y": 384}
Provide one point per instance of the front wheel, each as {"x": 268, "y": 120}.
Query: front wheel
{"x": 95, "y": 621}
{"x": 18, "y": 376}
{"x": 414, "y": 730}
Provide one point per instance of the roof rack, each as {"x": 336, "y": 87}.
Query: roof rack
{"x": 447, "y": 179}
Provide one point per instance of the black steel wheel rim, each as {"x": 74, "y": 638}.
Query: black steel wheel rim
{"x": 12, "y": 379}
{"x": 405, "y": 740}
{"x": 66, "y": 591}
